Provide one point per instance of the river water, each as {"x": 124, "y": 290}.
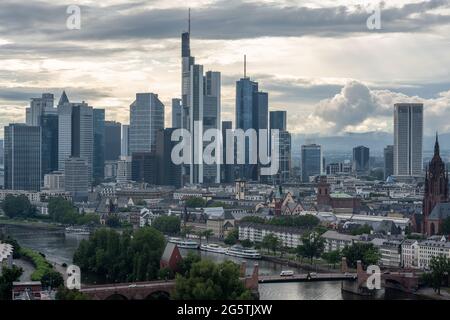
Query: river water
{"x": 59, "y": 248}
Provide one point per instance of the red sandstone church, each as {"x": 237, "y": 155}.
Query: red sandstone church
{"x": 436, "y": 206}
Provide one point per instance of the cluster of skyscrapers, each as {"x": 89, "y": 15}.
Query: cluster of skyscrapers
{"x": 72, "y": 145}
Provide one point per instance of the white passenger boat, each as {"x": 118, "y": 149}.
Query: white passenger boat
{"x": 78, "y": 230}
{"x": 241, "y": 252}
{"x": 212, "y": 247}
{"x": 184, "y": 243}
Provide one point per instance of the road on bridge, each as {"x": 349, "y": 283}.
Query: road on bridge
{"x": 308, "y": 277}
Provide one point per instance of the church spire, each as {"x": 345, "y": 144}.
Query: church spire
{"x": 436, "y": 145}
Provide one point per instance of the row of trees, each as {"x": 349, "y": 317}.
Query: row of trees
{"x": 307, "y": 221}
{"x": 313, "y": 246}
{"x": 18, "y": 207}
{"x": 63, "y": 211}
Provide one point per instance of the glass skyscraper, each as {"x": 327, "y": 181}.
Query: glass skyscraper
{"x": 22, "y": 157}
{"x": 311, "y": 159}
{"x": 146, "y": 118}
{"x": 408, "y": 137}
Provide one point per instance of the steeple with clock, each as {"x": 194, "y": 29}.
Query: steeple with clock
{"x": 436, "y": 185}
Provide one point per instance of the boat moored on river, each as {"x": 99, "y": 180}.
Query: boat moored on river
{"x": 185, "y": 244}
{"x": 212, "y": 247}
{"x": 241, "y": 252}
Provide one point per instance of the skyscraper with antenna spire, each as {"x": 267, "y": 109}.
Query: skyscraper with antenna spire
{"x": 252, "y": 112}
{"x": 201, "y": 104}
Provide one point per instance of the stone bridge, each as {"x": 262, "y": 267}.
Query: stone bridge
{"x": 154, "y": 289}
{"x": 404, "y": 281}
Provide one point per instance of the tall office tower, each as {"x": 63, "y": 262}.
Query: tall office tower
{"x": 77, "y": 178}
{"x": 75, "y": 133}
{"x": 144, "y": 167}
{"x": 169, "y": 173}
{"x": 49, "y": 142}
{"x": 112, "y": 140}
{"x": 408, "y": 136}
{"x": 38, "y": 107}
{"x": 1, "y": 153}
{"x": 200, "y": 102}
{"x": 42, "y": 113}
{"x": 123, "y": 169}
{"x": 388, "y": 161}
{"x": 311, "y": 158}
{"x": 211, "y": 120}
{"x": 99, "y": 145}
{"x": 251, "y": 113}
{"x": 361, "y": 157}
{"x": 278, "y": 120}
{"x": 177, "y": 111}
{"x": 227, "y": 175}
{"x": 23, "y": 157}
{"x": 125, "y": 140}
{"x": 146, "y": 118}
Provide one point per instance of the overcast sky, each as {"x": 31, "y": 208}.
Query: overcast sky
{"x": 316, "y": 58}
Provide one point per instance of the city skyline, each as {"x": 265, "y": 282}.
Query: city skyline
{"x": 325, "y": 86}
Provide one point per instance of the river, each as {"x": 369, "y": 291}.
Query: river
{"x": 59, "y": 248}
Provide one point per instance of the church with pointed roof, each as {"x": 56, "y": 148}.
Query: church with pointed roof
{"x": 436, "y": 204}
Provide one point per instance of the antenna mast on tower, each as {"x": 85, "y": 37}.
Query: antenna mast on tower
{"x": 189, "y": 21}
{"x": 245, "y": 66}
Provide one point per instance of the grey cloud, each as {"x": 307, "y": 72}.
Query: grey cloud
{"x": 221, "y": 20}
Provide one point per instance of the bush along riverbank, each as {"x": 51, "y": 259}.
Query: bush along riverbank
{"x": 44, "y": 270}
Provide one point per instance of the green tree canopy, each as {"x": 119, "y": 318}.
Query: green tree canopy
{"x": 312, "y": 246}
{"x": 209, "y": 281}
{"x": 232, "y": 237}
{"x": 366, "y": 252}
{"x": 254, "y": 219}
{"x": 63, "y": 211}
{"x": 18, "y": 207}
{"x": 440, "y": 270}
{"x": 308, "y": 221}
{"x": 126, "y": 257}
{"x": 195, "y": 202}
{"x": 66, "y": 294}
{"x": 7, "y": 278}
{"x": 332, "y": 257}
{"x": 271, "y": 242}
{"x": 167, "y": 224}
{"x": 364, "y": 229}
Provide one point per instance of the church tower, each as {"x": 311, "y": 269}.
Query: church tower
{"x": 436, "y": 186}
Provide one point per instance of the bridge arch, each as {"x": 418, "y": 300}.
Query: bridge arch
{"x": 116, "y": 296}
{"x": 158, "y": 295}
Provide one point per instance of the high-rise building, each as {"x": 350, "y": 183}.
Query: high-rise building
{"x": 278, "y": 122}
{"x": 169, "y": 173}
{"x": 123, "y": 169}
{"x": 42, "y": 113}
{"x": 144, "y": 167}
{"x": 77, "y": 178}
{"x": 388, "y": 161}
{"x": 125, "y": 140}
{"x": 38, "y": 107}
{"x": 311, "y": 159}
{"x": 49, "y": 142}
{"x": 146, "y": 118}
{"x": 75, "y": 132}
{"x": 201, "y": 106}
{"x": 177, "y": 111}
{"x": 408, "y": 136}
{"x": 361, "y": 160}
{"x": 226, "y": 169}
{"x": 23, "y": 157}
{"x": 99, "y": 145}
{"x": 112, "y": 140}
{"x": 251, "y": 113}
